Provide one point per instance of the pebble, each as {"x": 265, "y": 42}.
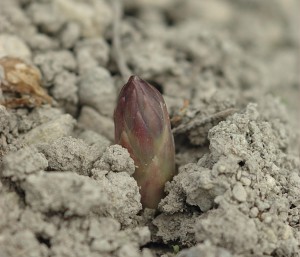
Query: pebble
{"x": 262, "y": 206}
{"x": 267, "y": 218}
{"x": 90, "y": 53}
{"x": 96, "y": 89}
{"x": 41, "y": 42}
{"x": 270, "y": 181}
{"x": 92, "y": 120}
{"x": 245, "y": 181}
{"x": 65, "y": 89}
{"x": 70, "y": 34}
{"x": 13, "y": 46}
{"x": 91, "y": 137}
{"x": 239, "y": 192}
{"x": 45, "y": 16}
{"x": 221, "y": 169}
{"x": 52, "y": 63}
{"x": 254, "y": 212}
{"x": 48, "y": 132}
{"x": 93, "y": 16}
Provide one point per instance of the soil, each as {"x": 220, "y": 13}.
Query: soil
{"x": 229, "y": 73}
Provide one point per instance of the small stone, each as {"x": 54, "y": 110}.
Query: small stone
{"x": 271, "y": 235}
{"x": 262, "y": 206}
{"x": 221, "y": 168}
{"x": 70, "y": 34}
{"x": 245, "y": 181}
{"x": 266, "y": 218}
{"x": 91, "y": 138}
{"x": 41, "y": 42}
{"x": 150, "y": 58}
{"x": 91, "y": 53}
{"x": 270, "y": 181}
{"x": 93, "y": 16}
{"x": 92, "y": 120}
{"x": 96, "y": 89}
{"x": 46, "y": 17}
{"x": 52, "y": 63}
{"x": 254, "y": 212}
{"x": 239, "y": 192}
{"x": 11, "y": 45}
{"x": 48, "y": 132}
{"x": 65, "y": 91}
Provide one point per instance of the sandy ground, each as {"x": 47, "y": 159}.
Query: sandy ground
{"x": 229, "y": 72}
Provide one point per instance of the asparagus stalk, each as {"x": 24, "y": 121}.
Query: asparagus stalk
{"x": 142, "y": 126}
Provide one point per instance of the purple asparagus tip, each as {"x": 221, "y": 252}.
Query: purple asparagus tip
{"x": 142, "y": 126}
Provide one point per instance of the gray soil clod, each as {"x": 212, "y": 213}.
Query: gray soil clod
{"x": 229, "y": 73}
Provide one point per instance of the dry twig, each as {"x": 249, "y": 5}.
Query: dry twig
{"x": 201, "y": 122}
{"x": 118, "y": 53}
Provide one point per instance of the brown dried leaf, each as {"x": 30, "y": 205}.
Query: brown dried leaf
{"x": 19, "y": 78}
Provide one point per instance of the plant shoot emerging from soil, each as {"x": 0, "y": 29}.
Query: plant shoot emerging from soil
{"x": 142, "y": 126}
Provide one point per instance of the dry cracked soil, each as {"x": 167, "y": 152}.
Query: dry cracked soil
{"x": 229, "y": 73}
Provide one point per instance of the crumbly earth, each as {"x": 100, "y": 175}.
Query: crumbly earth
{"x": 229, "y": 72}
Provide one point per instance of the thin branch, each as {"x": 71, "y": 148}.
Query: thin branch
{"x": 118, "y": 53}
{"x": 201, "y": 122}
